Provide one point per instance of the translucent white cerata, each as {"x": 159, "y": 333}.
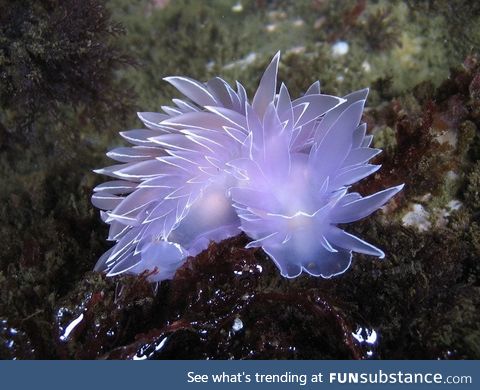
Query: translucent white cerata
{"x": 216, "y": 163}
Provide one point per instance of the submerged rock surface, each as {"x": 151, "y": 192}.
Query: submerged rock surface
{"x": 227, "y": 303}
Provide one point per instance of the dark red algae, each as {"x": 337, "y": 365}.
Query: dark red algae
{"x": 227, "y": 303}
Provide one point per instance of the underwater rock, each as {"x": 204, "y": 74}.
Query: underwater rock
{"x": 227, "y": 303}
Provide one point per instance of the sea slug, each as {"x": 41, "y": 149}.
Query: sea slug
{"x": 217, "y": 163}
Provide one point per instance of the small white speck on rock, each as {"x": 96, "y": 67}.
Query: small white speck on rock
{"x": 238, "y": 7}
{"x": 366, "y": 66}
{"x": 417, "y": 217}
{"x": 340, "y": 48}
{"x": 237, "y": 325}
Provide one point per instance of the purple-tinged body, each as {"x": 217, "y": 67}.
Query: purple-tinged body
{"x": 217, "y": 163}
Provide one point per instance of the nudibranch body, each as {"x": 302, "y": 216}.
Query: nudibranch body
{"x": 216, "y": 163}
